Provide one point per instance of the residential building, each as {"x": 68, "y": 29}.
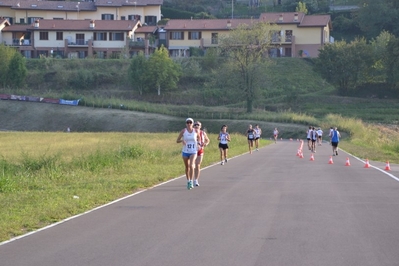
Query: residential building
{"x": 298, "y": 34}
{"x": 74, "y": 38}
{"x": 28, "y": 11}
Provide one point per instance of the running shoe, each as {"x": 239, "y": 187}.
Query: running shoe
{"x": 191, "y": 185}
{"x": 225, "y": 160}
{"x": 196, "y": 184}
{"x": 188, "y": 184}
{"x": 222, "y": 163}
{"x": 257, "y": 150}
{"x": 336, "y": 152}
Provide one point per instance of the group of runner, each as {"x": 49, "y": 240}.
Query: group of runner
{"x": 194, "y": 139}
{"x": 314, "y": 136}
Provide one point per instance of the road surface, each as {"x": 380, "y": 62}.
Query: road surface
{"x": 266, "y": 208}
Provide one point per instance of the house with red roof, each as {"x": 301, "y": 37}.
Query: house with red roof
{"x": 297, "y": 35}
{"x": 75, "y": 38}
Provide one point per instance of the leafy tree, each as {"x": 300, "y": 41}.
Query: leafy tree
{"x": 246, "y": 48}
{"x": 312, "y": 6}
{"x": 162, "y": 70}
{"x": 376, "y": 16}
{"x": 17, "y": 71}
{"x": 392, "y": 62}
{"x": 6, "y": 53}
{"x": 301, "y": 8}
{"x": 137, "y": 72}
{"x": 379, "y": 46}
{"x": 345, "y": 64}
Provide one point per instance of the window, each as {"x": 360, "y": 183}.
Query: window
{"x": 150, "y": 20}
{"x": 107, "y": 17}
{"x": 22, "y": 21}
{"x": 27, "y": 54}
{"x": 33, "y": 19}
{"x": 194, "y": 35}
{"x": 116, "y": 36}
{"x": 43, "y": 35}
{"x": 100, "y": 36}
{"x": 214, "y": 38}
{"x": 177, "y": 35}
{"x": 288, "y": 52}
{"x": 80, "y": 39}
{"x": 134, "y": 17}
{"x": 59, "y": 36}
{"x": 288, "y": 36}
{"x": 123, "y": 18}
{"x": 100, "y": 54}
{"x": 276, "y": 36}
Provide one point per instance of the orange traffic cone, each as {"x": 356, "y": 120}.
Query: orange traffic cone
{"x": 298, "y": 153}
{"x": 387, "y": 166}
{"x": 347, "y": 162}
{"x": 330, "y": 161}
{"x": 301, "y": 155}
{"x": 367, "y": 165}
{"x": 312, "y": 157}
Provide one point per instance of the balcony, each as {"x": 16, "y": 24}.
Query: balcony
{"x": 78, "y": 42}
{"x": 136, "y": 44}
{"x": 140, "y": 43}
{"x": 21, "y": 42}
{"x": 282, "y": 39}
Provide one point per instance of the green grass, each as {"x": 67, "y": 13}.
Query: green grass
{"x": 47, "y": 177}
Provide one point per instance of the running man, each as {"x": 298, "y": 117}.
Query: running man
{"x": 251, "y": 138}
{"x": 204, "y": 141}
{"x": 224, "y": 138}
{"x": 275, "y": 134}
{"x": 334, "y": 140}
{"x": 258, "y": 132}
{"x": 189, "y": 137}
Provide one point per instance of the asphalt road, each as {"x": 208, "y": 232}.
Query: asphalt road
{"x": 268, "y": 208}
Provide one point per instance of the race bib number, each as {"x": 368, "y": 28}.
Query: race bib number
{"x": 191, "y": 147}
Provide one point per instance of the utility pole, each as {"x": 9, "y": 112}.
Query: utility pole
{"x": 232, "y": 9}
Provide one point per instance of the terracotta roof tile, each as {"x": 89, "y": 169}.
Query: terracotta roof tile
{"x": 201, "y": 24}
{"x": 53, "y": 5}
{"x": 87, "y": 6}
{"x": 129, "y": 2}
{"x": 316, "y": 20}
{"x": 146, "y": 29}
{"x": 80, "y": 25}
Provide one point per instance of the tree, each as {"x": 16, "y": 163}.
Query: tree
{"x": 312, "y": 6}
{"x": 162, "y": 70}
{"x": 376, "y": 16}
{"x": 392, "y": 62}
{"x": 379, "y": 48}
{"x": 17, "y": 71}
{"x": 246, "y": 48}
{"x": 6, "y": 53}
{"x": 301, "y": 8}
{"x": 137, "y": 72}
{"x": 345, "y": 64}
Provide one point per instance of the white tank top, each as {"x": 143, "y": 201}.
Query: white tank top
{"x": 191, "y": 142}
{"x": 223, "y": 138}
{"x": 257, "y": 132}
